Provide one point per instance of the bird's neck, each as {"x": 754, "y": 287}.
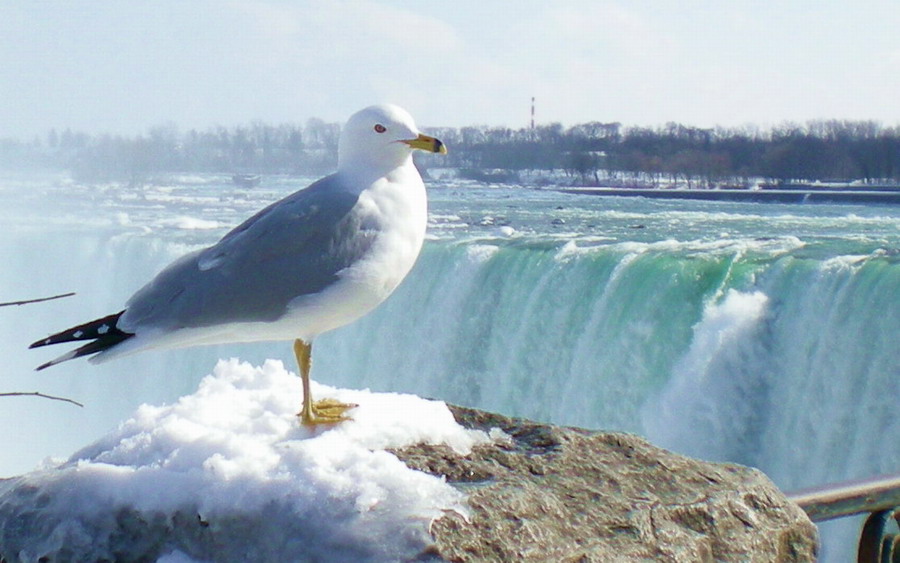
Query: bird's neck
{"x": 362, "y": 174}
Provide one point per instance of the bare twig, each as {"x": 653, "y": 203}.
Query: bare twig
{"x": 36, "y": 394}
{"x": 27, "y": 301}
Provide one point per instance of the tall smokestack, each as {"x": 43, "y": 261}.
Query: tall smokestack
{"x": 532, "y": 113}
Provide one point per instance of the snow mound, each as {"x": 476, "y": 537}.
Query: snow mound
{"x": 227, "y": 473}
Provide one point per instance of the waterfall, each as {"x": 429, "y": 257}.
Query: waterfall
{"x": 767, "y": 351}
{"x": 786, "y": 364}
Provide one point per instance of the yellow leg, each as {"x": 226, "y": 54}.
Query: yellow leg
{"x": 325, "y": 411}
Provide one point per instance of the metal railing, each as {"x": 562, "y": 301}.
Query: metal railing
{"x": 878, "y": 496}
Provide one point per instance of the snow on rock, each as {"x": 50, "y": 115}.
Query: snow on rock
{"x": 228, "y": 473}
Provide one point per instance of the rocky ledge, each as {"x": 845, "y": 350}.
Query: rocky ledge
{"x": 566, "y": 494}
{"x": 534, "y": 492}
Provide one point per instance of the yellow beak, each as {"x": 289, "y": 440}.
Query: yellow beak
{"x": 426, "y": 143}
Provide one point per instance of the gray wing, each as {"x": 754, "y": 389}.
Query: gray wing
{"x": 294, "y": 247}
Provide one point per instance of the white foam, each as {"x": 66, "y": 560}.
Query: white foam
{"x": 847, "y": 262}
{"x": 481, "y": 253}
{"x": 773, "y": 246}
{"x": 693, "y": 414}
{"x": 191, "y": 223}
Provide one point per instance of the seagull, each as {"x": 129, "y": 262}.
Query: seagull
{"x": 317, "y": 260}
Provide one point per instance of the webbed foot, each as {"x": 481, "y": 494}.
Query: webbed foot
{"x": 325, "y": 411}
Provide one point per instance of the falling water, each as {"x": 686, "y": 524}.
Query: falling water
{"x": 763, "y": 335}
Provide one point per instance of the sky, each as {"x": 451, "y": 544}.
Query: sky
{"x": 127, "y": 66}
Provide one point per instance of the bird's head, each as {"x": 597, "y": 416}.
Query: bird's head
{"x": 382, "y": 135}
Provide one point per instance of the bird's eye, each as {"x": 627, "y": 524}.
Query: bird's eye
{"x": 379, "y": 128}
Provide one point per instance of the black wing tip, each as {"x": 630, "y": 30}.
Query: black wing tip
{"x": 93, "y": 347}
{"x": 97, "y": 329}
{"x": 42, "y": 342}
{"x": 102, "y": 334}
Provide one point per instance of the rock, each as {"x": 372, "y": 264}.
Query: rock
{"x": 565, "y": 494}
{"x": 536, "y": 493}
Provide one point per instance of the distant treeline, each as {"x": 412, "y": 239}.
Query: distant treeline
{"x": 829, "y": 151}
{"x": 839, "y": 151}
{"x": 257, "y": 148}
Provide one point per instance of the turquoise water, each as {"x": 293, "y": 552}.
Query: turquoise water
{"x": 764, "y": 334}
{"x": 728, "y": 331}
